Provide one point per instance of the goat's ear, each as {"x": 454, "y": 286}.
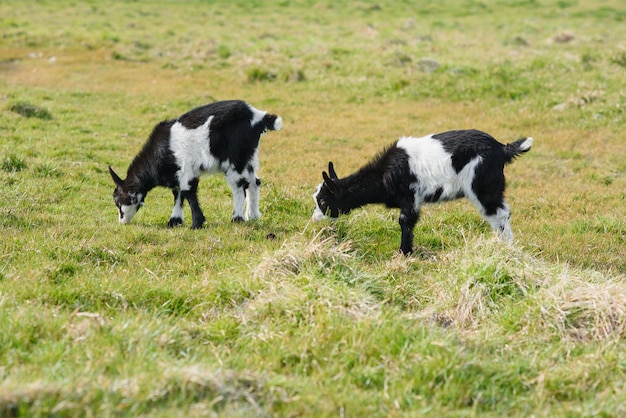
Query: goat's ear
{"x": 331, "y": 170}
{"x": 330, "y": 183}
{"x": 116, "y": 179}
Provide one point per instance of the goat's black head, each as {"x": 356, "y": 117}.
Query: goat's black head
{"x": 328, "y": 197}
{"x": 126, "y": 201}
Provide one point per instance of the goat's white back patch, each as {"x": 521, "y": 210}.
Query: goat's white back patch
{"x": 192, "y": 151}
{"x": 432, "y": 165}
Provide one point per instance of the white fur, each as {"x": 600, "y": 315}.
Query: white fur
{"x": 432, "y": 165}
{"x": 257, "y": 115}
{"x": 191, "y": 150}
{"x": 465, "y": 179}
{"x": 278, "y": 124}
{"x": 526, "y": 144}
{"x": 318, "y": 215}
{"x": 253, "y": 192}
{"x": 127, "y": 212}
{"x": 239, "y": 196}
{"x": 500, "y": 222}
{"x": 177, "y": 211}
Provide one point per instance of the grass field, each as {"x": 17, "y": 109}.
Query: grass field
{"x": 103, "y": 319}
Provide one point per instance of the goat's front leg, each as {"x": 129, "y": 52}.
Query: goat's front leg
{"x": 177, "y": 213}
{"x": 192, "y": 197}
{"x": 408, "y": 219}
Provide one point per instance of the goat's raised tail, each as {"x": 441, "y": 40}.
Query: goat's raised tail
{"x": 273, "y": 122}
{"x": 520, "y": 146}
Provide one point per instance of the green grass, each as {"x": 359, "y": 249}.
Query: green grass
{"x": 98, "y": 318}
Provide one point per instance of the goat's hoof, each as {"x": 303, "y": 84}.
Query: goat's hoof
{"x": 253, "y": 216}
{"x": 174, "y": 222}
{"x": 237, "y": 219}
{"x": 198, "y": 221}
{"x": 406, "y": 253}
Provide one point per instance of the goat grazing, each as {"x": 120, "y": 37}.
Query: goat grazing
{"x": 434, "y": 168}
{"x": 218, "y": 137}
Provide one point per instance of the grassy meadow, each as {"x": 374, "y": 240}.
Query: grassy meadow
{"x": 327, "y": 319}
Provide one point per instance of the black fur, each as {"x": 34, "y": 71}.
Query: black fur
{"x": 155, "y": 164}
{"x": 243, "y": 183}
{"x": 467, "y": 144}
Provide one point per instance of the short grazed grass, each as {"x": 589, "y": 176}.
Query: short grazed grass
{"x": 98, "y": 318}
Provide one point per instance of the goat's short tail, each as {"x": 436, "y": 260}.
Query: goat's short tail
{"x": 516, "y": 148}
{"x": 273, "y": 122}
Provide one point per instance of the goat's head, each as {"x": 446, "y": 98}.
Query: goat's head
{"x": 127, "y": 201}
{"x": 328, "y": 197}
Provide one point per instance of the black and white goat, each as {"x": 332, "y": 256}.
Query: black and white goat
{"x": 218, "y": 137}
{"x": 434, "y": 168}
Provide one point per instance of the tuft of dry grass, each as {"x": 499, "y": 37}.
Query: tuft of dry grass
{"x": 294, "y": 254}
{"x": 579, "y": 304}
{"x": 289, "y": 275}
{"x": 585, "y": 306}
{"x": 221, "y": 387}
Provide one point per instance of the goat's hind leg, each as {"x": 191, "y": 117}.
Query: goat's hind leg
{"x": 252, "y": 198}
{"x": 177, "y": 216}
{"x": 238, "y": 184}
